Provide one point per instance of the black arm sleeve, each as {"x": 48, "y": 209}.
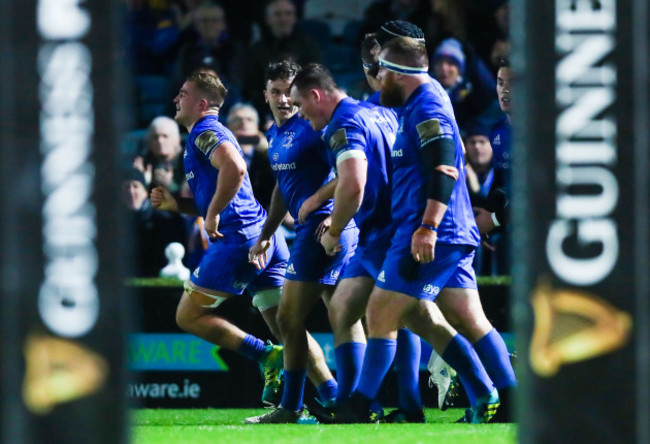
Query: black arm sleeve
{"x": 440, "y": 151}
{"x": 497, "y": 199}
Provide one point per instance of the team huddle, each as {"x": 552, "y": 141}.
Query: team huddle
{"x": 384, "y": 229}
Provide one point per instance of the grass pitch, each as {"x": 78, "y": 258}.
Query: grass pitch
{"x": 222, "y": 426}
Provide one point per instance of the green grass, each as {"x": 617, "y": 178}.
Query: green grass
{"x": 222, "y": 426}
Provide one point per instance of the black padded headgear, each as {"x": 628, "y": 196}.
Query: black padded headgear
{"x": 398, "y": 28}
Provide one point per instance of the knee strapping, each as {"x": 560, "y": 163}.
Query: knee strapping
{"x": 191, "y": 290}
{"x": 265, "y": 299}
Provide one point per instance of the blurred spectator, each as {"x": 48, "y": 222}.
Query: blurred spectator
{"x": 488, "y": 23}
{"x": 480, "y": 173}
{"x": 382, "y": 11}
{"x": 243, "y": 121}
{"x": 468, "y": 82}
{"x": 212, "y": 45}
{"x": 282, "y": 41}
{"x": 447, "y": 19}
{"x": 162, "y": 164}
{"x": 153, "y": 230}
{"x": 152, "y": 33}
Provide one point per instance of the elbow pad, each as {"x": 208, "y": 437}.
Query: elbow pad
{"x": 439, "y": 160}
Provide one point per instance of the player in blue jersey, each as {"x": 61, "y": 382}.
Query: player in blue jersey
{"x": 216, "y": 173}
{"x": 434, "y": 220}
{"x": 495, "y": 213}
{"x": 462, "y": 311}
{"x": 409, "y": 349}
{"x": 298, "y": 159}
{"x": 358, "y": 137}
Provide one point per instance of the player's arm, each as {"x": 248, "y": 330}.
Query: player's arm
{"x": 348, "y": 195}
{"x": 232, "y": 170}
{"x": 438, "y": 156}
{"x": 277, "y": 213}
{"x": 313, "y": 202}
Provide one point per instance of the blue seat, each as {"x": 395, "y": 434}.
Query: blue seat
{"x": 317, "y": 29}
{"x": 154, "y": 97}
{"x": 351, "y": 35}
{"x": 342, "y": 58}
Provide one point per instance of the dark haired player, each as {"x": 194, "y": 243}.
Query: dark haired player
{"x": 299, "y": 162}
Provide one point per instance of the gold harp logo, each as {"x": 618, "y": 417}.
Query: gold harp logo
{"x": 59, "y": 370}
{"x": 573, "y": 326}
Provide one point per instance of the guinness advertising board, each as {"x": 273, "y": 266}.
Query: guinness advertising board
{"x": 62, "y": 345}
{"x": 580, "y": 212}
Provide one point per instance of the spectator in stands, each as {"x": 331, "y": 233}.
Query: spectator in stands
{"x": 468, "y": 82}
{"x": 479, "y": 162}
{"x": 479, "y": 177}
{"x": 153, "y": 230}
{"x": 162, "y": 164}
{"x": 283, "y": 41}
{"x": 489, "y": 22}
{"x": 211, "y": 46}
{"x": 382, "y": 11}
{"x": 244, "y": 121}
{"x": 151, "y": 35}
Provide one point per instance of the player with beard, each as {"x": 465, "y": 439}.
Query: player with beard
{"x": 462, "y": 311}
{"x": 299, "y": 162}
{"x": 434, "y": 220}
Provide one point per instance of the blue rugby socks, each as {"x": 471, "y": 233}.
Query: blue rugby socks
{"x": 349, "y": 359}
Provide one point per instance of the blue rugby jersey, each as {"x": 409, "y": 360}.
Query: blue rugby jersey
{"x": 426, "y": 115}
{"x": 501, "y": 141}
{"x": 299, "y": 161}
{"x": 369, "y": 129}
{"x": 243, "y": 215}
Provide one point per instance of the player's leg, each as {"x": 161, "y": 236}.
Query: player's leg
{"x": 298, "y": 299}
{"x": 345, "y": 310}
{"x": 195, "y": 314}
{"x": 461, "y": 305}
{"x": 427, "y": 320}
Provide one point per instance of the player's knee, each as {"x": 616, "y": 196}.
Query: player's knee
{"x": 266, "y": 299}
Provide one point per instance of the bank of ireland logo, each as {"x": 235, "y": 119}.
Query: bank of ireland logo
{"x": 431, "y": 290}
{"x": 276, "y": 156}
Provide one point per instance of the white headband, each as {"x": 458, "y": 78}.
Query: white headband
{"x": 406, "y": 70}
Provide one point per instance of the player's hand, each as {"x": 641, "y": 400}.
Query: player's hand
{"x": 310, "y": 205}
{"x": 423, "y": 244}
{"x": 331, "y": 244}
{"x": 162, "y": 199}
{"x": 211, "y": 226}
{"x": 323, "y": 227}
{"x": 163, "y": 176}
{"x": 483, "y": 220}
{"x": 257, "y": 254}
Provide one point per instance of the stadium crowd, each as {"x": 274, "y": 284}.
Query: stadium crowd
{"x": 256, "y": 78}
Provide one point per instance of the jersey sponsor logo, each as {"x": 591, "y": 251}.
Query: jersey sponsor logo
{"x": 189, "y": 175}
{"x": 430, "y": 289}
{"x": 397, "y": 153}
{"x": 207, "y": 141}
{"x": 339, "y": 139}
{"x": 334, "y": 274}
{"x": 382, "y": 276}
{"x": 428, "y": 130}
{"x": 497, "y": 140}
{"x": 283, "y": 166}
{"x": 290, "y": 269}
